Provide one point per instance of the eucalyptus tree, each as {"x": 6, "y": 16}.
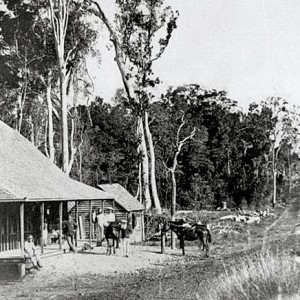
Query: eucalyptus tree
{"x": 19, "y": 48}
{"x": 204, "y": 159}
{"x": 291, "y": 143}
{"x": 139, "y": 34}
{"x": 255, "y": 147}
{"x": 282, "y": 130}
{"x": 73, "y": 38}
{"x": 284, "y": 135}
{"x": 108, "y": 142}
{"x": 59, "y": 16}
{"x": 28, "y": 71}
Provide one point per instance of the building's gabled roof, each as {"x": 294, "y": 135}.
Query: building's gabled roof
{"x": 26, "y": 174}
{"x": 122, "y": 197}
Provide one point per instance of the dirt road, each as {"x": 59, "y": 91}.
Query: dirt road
{"x": 147, "y": 274}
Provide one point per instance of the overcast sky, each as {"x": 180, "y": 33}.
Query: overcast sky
{"x": 250, "y": 48}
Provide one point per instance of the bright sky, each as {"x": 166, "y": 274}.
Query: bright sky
{"x": 250, "y": 48}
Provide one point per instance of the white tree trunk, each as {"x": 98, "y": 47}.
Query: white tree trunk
{"x": 64, "y": 121}
{"x": 32, "y": 136}
{"x": 50, "y": 121}
{"x": 179, "y": 144}
{"x": 73, "y": 148}
{"x": 145, "y": 165}
{"x": 274, "y": 175}
{"x": 19, "y": 112}
{"x": 290, "y": 175}
{"x": 156, "y": 200}
{"x": 173, "y": 206}
{"x": 59, "y": 23}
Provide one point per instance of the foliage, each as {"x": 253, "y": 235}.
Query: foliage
{"x": 144, "y": 28}
{"x": 154, "y": 223}
{"x": 108, "y": 146}
{"x": 229, "y": 158}
{"x": 226, "y": 161}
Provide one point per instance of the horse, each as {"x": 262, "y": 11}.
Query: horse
{"x": 189, "y": 232}
{"x": 113, "y": 235}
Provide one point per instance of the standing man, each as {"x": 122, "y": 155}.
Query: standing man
{"x": 101, "y": 222}
{"x": 126, "y": 231}
{"x": 69, "y": 229}
{"x": 110, "y": 216}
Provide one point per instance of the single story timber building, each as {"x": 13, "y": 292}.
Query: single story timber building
{"x": 125, "y": 203}
{"x": 122, "y": 205}
{"x": 34, "y": 192}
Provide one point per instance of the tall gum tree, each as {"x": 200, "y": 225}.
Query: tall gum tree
{"x": 19, "y": 54}
{"x": 179, "y": 144}
{"x": 137, "y": 44}
{"x": 283, "y": 131}
{"x": 73, "y": 38}
{"x": 59, "y": 15}
{"x": 29, "y": 53}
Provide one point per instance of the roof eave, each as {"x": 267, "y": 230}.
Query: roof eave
{"x": 28, "y": 200}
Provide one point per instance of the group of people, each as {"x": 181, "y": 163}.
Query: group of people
{"x": 102, "y": 220}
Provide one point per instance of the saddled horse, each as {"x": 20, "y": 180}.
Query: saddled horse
{"x": 189, "y": 232}
{"x": 113, "y": 235}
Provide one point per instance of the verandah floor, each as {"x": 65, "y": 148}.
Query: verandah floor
{"x": 49, "y": 250}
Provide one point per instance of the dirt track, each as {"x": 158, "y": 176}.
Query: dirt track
{"x": 147, "y": 274}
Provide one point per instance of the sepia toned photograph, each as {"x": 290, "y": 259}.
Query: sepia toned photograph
{"x": 149, "y": 149}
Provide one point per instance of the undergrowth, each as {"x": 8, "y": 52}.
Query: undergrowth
{"x": 260, "y": 277}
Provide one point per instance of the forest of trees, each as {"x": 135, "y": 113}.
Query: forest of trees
{"x": 191, "y": 148}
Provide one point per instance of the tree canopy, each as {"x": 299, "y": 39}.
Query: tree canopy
{"x": 214, "y": 151}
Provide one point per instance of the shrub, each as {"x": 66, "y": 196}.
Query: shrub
{"x": 152, "y": 223}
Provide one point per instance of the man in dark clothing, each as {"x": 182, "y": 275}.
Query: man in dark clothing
{"x": 69, "y": 229}
{"x": 126, "y": 231}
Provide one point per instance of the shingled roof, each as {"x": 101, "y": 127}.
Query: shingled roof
{"x": 27, "y": 175}
{"x": 122, "y": 196}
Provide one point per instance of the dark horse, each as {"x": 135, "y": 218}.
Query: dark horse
{"x": 189, "y": 232}
{"x": 113, "y": 235}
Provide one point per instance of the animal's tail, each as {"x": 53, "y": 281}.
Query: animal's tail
{"x": 208, "y": 233}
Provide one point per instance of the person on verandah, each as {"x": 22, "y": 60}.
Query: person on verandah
{"x": 69, "y": 229}
{"x": 32, "y": 253}
{"x": 45, "y": 234}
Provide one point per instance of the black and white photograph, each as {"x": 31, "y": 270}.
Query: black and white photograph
{"x": 150, "y": 149}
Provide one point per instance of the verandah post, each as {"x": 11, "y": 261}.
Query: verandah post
{"x": 163, "y": 242}
{"x": 76, "y": 220}
{"x": 60, "y": 224}
{"x": 90, "y": 227}
{"x": 42, "y": 207}
{"x": 22, "y": 240}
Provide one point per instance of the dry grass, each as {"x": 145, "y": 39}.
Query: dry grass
{"x": 263, "y": 277}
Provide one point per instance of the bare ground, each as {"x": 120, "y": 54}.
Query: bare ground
{"x": 147, "y": 274}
